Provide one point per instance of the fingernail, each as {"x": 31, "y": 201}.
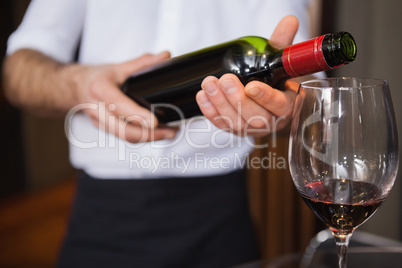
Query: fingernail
{"x": 229, "y": 86}
{"x": 211, "y": 88}
{"x": 203, "y": 100}
{"x": 255, "y": 92}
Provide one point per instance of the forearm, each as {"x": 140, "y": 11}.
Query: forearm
{"x": 40, "y": 84}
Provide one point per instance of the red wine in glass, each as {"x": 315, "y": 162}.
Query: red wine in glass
{"x": 352, "y": 205}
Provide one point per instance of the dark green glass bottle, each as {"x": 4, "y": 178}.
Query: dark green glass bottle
{"x": 169, "y": 89}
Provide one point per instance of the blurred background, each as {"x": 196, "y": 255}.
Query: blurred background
{"x": 37, "y": 181}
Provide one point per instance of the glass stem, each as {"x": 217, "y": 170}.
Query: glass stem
{"x": 342, "y": 242}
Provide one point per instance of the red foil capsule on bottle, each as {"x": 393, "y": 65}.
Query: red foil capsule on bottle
{"x": 297, "y": 59}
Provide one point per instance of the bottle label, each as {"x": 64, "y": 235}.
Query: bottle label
{"x": 305, "y": 58}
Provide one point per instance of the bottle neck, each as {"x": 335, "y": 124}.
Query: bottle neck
{"x": 305, "y": 58}
{"x": 338, "y": 49}
{"x": 319, "y": 54}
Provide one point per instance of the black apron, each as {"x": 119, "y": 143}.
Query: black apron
{"x": 175, "y": 222}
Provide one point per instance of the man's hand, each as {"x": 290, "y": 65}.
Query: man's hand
{"x": 121, "y": 116}
{"x": 43, "y": 86}
{"x": 255, "y": 109}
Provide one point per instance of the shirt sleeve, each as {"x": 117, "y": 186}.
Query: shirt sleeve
{"x": 52, "y": 27}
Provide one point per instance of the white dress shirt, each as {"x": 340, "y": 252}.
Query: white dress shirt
{"x": 111, "y": 31}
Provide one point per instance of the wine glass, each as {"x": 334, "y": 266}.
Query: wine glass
{"x": 343, "y": 151}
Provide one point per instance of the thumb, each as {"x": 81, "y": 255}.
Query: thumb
{"x": 284, "y": 32}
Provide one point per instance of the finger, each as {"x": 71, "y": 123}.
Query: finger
{"x": 206, "y": 107}
{"x": 135, "y": 133}
{"x": 120, "y": 104}
{"x": 125, "y": 69}
{"x": 284, "y": 32}
{"x": 253, "y": 114}
{"x": 227, "y": 113}
{"x": 279, "y": 103}
{"x": 209, "y": 111}
{"x": 132, "y": 129}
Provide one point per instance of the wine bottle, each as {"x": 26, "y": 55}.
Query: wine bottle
{"x": 169, "y": 88}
